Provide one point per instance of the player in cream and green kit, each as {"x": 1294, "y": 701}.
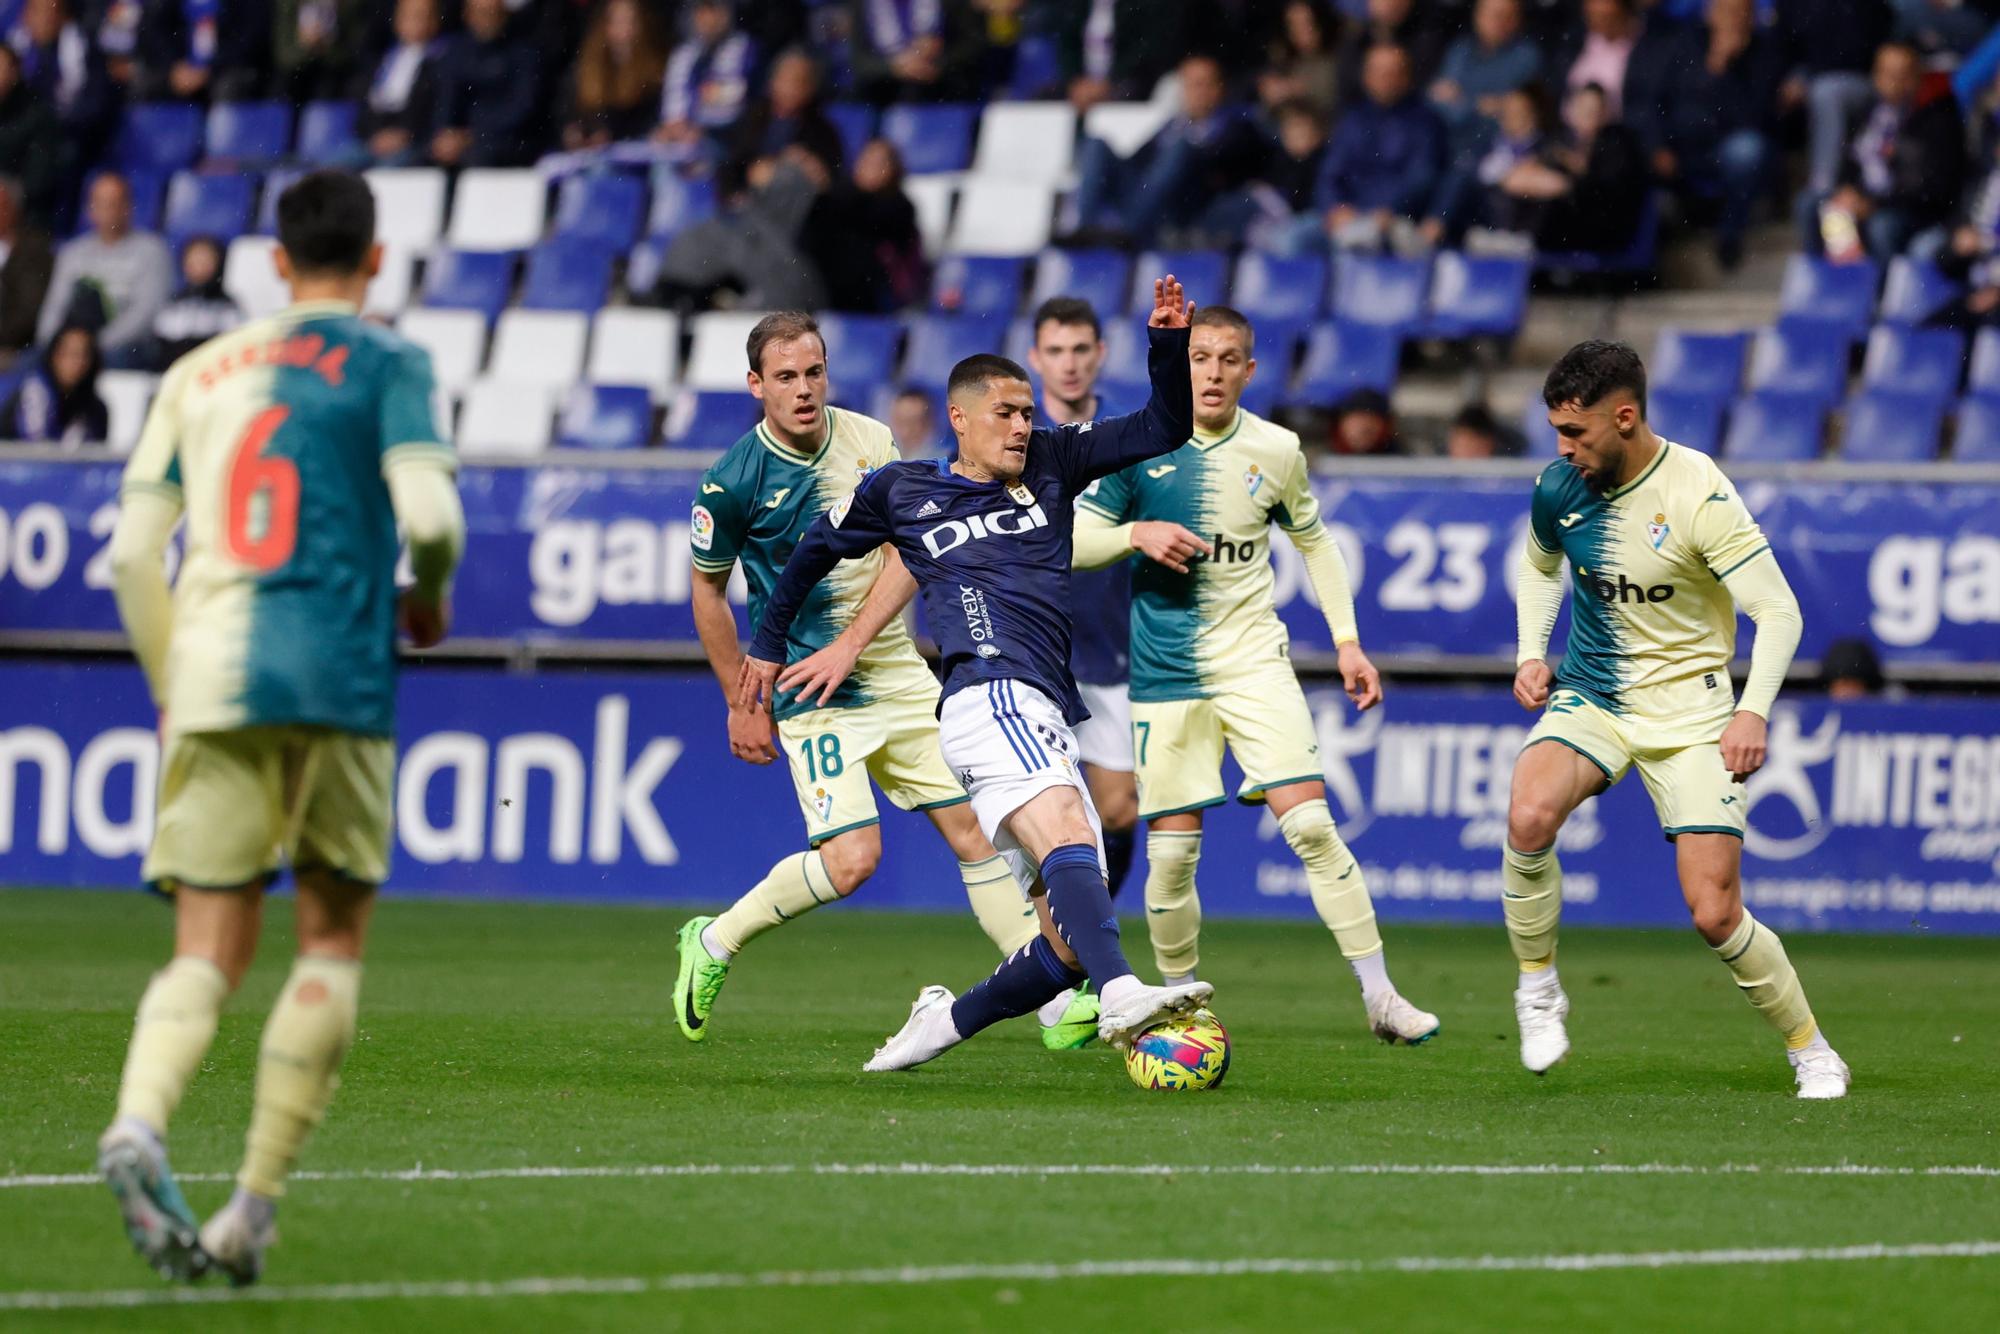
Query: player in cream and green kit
{"x": 1211, "y": 662}
{"x": 1662, "y": 555}
{"x": 857, "y": 701}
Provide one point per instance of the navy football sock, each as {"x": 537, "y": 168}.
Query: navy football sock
{"x": 1119, "y": 845}
{"x": 1026, "y": 980}
{"x": 1081, "y": 905}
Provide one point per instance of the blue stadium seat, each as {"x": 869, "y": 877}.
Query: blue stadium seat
{"x": 249, "y": 133}
{"x": 607, "y": 207}
{"x": 1383, "y": 290}
{"x": 1100, "y": 277}
{"x": 567, "y": 274}
{"x": 478, "y": 280}
{"x": 1891, "y": 426}
{"x": 1538, "y": 438}
{"x": 275, "y": 183}
{"x": 1916, "y": 361}
{"x": 1268, "y": 287}
{"x": 978, "y": 284}
{"x": 1203, "y": 273}
{"x": 1978, "y": 437}
{"x": 1801, "y": 358}
{"x": 1474, "y": 295}
{"x": 712, "y": 419}
{"x": 598, "y": 416}
{"x": 161, "y": 135}
{"x": 860, "y": 351}
{"x": 204, "y": 205}
{"x": 1691, "y": 417}
{"x": 856, "y": 123}
{"x": 679, "y": 202}
{"x": 326, "y": 131}
{"x": 1277, "y": 351}
{"x": 1839, "y": 295}
{"x": 1125, "y": 355}
{"x": 1915, "y": 291}
{"x": 939, "y": 342}
{"x": 932, "y": 138}
{"x": 1984, "y": 376}
{"x": 1769, "y": 426}
{"x": 1037, "y": 66}
{"x": 1707, "y": 363}
{"x": 1342, "y": 356}
{"x": 1261, "y": 396}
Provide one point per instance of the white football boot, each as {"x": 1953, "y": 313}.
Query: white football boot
{"x": 1142, "y": 1007}
{"x": 1541, "y": 1011}
{"x": 1820, "y": 1072}
{"x": 1396, "y": 1020}
{"x": 927, "y": 1034}
{"x": 237, "y": 1235}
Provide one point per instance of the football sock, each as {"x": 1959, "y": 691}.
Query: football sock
{"x": 298, "y": 1066}
{"x": 1052, "y": 1010}
{"x": 1757, "y": 957}
{"x": 1531, "y": 896}
{"x": 1372, "y": 972}
{"x": 1334, "y": 877}
{"x": 1119, "y": 847}
{"x": 1023, "y": 981}
{"x": 1080, "y": 903}
{"x": 1173, "y": 911}
{"x": 794, "y": 887}
{"x": 1005, "y": 914}
{"x": 176, "y": 1023}
{"x": 1539, "y": 979}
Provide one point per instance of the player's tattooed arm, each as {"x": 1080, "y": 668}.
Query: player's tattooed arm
{"x": 817, "y": 675}
{"x": 749, "y": 729}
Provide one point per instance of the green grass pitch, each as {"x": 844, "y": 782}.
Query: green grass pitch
{"x": 505, "y": 1036}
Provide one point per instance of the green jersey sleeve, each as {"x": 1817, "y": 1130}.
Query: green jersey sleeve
{"x": 409, "y": 415}
{"x": 1110, "y": 495}
{"x": 718, "y": 525}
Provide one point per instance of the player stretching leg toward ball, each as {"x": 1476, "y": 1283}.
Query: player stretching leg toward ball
{"x": 297, "y": 444}
{"x": 989, "y": 534}
{"x": 1664, "y": 554}
{"x": 1211, "y": 665}
{"x": 859, "y": 703}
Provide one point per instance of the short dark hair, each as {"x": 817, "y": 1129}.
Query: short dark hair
{"x": 1227, "y": 317}
{"x": 326, "y": 222}
{"x": 1476, "y": 416}
{"x": 976, "y": 372}
{"x": 1067, "y": 310}
{"x": 1593, "y": 369}
{"x": 780, "y": 326}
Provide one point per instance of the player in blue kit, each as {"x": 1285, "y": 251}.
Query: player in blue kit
{"x": 989, "y": 535}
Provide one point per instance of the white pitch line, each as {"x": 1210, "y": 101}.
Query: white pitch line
{"x": 641, "y": 1171}
{"x": 913, "y": 1275}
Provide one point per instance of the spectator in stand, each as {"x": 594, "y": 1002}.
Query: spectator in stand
{"x": 317, "y": 47}
{"x": 913, "y": 50}
{"x": 1383, "y": 165}
{"x": 115, "y": 26}
{"x": 1829, "y": 47}
{"x": 1304, "y": 64}
{"x": 112, "y": 279}
{"x": 1475, "y": 434}
{"x": 1901, "y": 172}
{"x": 614, "y": 89}
{"x": 1850, "y": 670}
{"x": 25, "y": 264}
{"x": 62, "y": 67}
{"x": 200, "y": 310}
{"x": 1944, "y": 27}
{"x": 1284, "y": 189}
{"x": 1504, "y": 194}
{"x": 1599, "y": 187}
{"x": 708, "y": 77}
{"x": 1970, "y": 257}
{"x": 785, "y": 125}
{"x": 1612, "y": 30}
{"x": 862, "y": 235}
{"x": 1480, "y": 69}
{"x": 1116, "y": 50}
{"x": 1364, "y": 423}
{"x": 1409, "y": 24}
{"x": 913, "y": 424}
{"x": 487, "y": 93}
{"x": 57, "y": 403}
{"x": 30, "y": 141}
{"x": 398, "y": 115}
{"x": 197, "y": 50}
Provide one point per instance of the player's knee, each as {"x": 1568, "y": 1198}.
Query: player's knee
{"x": 1117, "y": 808}
{"x": 1173, "y": 855}
{"x": 1532, "y": 822}
{"x": 1309, "y": 829}
{"x": 851, "y": 859}
{"x": 1716, "y": 916}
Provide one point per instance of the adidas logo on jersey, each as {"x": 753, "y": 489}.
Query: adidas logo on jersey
{"x": 955, "y": 533}
{"x": 928, "y": 508}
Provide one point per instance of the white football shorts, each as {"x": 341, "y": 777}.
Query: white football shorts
{"x": 1104, "y": 739}
{"x": 1007, "y": 743}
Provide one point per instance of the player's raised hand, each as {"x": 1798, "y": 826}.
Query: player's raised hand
{"x": 818, "y": 675}
{"x": 1743, "y": 745}
{"x": 750, "y": 735}
{"x": 1168, "y": 543}
{"x": 425, "y": 622}
{"x": 1171, "y": 308}
{"x": 1531, "y": 684}
{"x": 1363, "y": 682}
{"x": 754, "y": 680}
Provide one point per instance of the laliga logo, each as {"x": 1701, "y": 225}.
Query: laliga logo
{"x": 955, "y": 533}
{"x": 1784, "y": 776}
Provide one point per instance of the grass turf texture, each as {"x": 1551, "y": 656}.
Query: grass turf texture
{"x": 497, "y": 1036}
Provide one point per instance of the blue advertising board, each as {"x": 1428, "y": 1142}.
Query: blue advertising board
{"x": 576, "y": 786}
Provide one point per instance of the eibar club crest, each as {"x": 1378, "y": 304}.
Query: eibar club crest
{"x": 823, "y": 803}
{"x": 1657, "y": 530}
{"x": 1253, "y": 477}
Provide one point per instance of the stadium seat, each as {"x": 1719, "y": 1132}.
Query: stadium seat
{"x": 497, "y": 208}
{"x": 998, "y": 217}
{"x": 1026, "y": 141}
{"x": 1892, "y": 426}
{"x": 1260, "y": 396}
{"x": 1978, "y": 436}
{"x": 1800, "y": 358}
{"x": 1125, "y": 127}
{"x": 1538, "y": 438}
{"x": 636, "y": 347}
{"x": 204, "y": 205}
{"x": 389, "y": 293}
{"x": 1691, "y": 417}
{"x": 1838, "y": 295}
{"x": 539, "y": 347}
{"x": 276, "y": 182}
{"x": 1475, "y": 295}
{"x": 678, "y": 203}
{"x": 931, "y": 138}
{"x": 469, "y": 280}
{"x": 409, "y": 205}
{"x": 456, "y": 340}
{"x": 605, "y": 207}
{"x": 1125, "y": 354}
{"x": 711, "y": 419}
{"x": 1100, "y": 277}
{"x": 163, "y": 136}
{"x": 597, "y": 416}
{"x": 326, "y": 132}
{"x": 1914, "y": 291}
{"x": 1267, "y": 287}
{"x": 978, "y": 284}
{"x": 126, "y": 395}
{"x": 1277, "y": 348}
{"x": 1382, "y": 290}
{"x": 1770, "y": 426}
{"x": 860, "y": 351}
{"x": 1694, "y": 362}
{"x": 567, "y": 275}
{"x": 855, "y": 122}
{"x": 1037, "y": 65}
{"x": 932, "y": 196}
{"x": 249, "y": 276}
{"x": 1204, "y": 274}
{"x": 715, "y": 357}
{"x": 1916, "y": 361}
{"x": 249, "y": 133}
{"x": 1984, "y": 375}
{"x": 939, "y": 342}
{"x": 1342, "y": 356}
{"x": 504, "y": 419}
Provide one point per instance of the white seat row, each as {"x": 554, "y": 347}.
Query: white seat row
{"x": 250, "y": 276}
{"x": 555, "y": 349}
{"x": 492, "y": 209}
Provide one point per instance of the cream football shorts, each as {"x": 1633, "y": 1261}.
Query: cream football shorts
{"x": 1691, "y": 789}
{"x": 1265, "y": 723}
{"x": 834, "y": 753}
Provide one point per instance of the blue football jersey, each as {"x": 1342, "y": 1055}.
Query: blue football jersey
{"x": 993, "y": 558}
{"x": 1101, "y": 615}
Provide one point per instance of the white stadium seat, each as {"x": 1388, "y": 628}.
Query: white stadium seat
{"x": 251, "y": 279}
{"x": 716, "y": 360}
{"x": 126, "y": 395}
{"x": 641, "y": 347}
{"x": 409, "y": 205}
{"x": 390, "y": 292}
{"x": 1125, "y": 127}
{"x": 505, "y": 419}
{"x": 1026, "y": 141}
{"x": 539, "y": 347}
{"x": 931, "y": 196}
{"x": 498, "y": 209}
{"x": 1002, "y": 218}
{"x": 456, "y": 340}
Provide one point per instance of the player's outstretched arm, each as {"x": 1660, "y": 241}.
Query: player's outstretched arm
{"x": 817, "y": 675}
{"x": 1101, "y": 448}
{"x": 1763, "y": 594}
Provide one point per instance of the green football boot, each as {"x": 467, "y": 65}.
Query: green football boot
{"x": 699, "y": 981}
{"x": 1078, "y": 1025}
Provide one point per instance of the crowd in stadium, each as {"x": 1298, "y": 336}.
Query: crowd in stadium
{"x": 1562, "y": 133}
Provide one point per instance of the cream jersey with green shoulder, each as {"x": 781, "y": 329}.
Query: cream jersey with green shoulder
{"x": 1215, "y": 628}
{"x": 758, "y": 500}
{"x": 1652, "y": 624}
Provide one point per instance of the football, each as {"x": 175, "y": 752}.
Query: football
{"x": 1181, "y": 1054}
